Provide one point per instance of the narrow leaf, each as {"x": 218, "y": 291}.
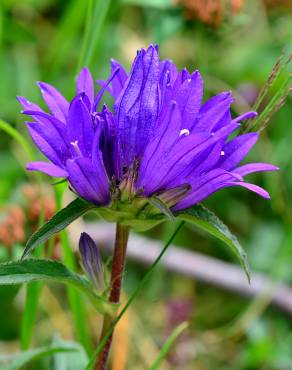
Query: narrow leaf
{"x": 167, "y": 345}
{"x": 57, "y": 223}
{"x": 64, "y": 361}
{"x": 206, "y": 220}
{"x": 18, "y": 360}
{"x": 26, "y": 271}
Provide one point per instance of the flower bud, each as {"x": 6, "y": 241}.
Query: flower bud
{"x": 91, "y": 261}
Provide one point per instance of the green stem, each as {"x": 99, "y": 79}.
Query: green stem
{"x": 119, "y": 257}
{"x": 140, "y": 287}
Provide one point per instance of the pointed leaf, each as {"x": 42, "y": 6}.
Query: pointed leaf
{"x": 74, "y": 360}
{"x": 206, "y": 220}
{"x": 168, "y": 344}
{"x": 26, "y": 271}
{"x": 57, "y": 223}
{"x": 16, "y": 361}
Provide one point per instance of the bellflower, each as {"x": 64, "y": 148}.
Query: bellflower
{"x": 91, "y": 260}
{"x": 159, "y": 140}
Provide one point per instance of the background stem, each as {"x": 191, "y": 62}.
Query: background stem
{"x": 122, "y": 234}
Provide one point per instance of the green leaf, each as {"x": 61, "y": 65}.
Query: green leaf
{"x": 17, "y": 360}
{"x": 26, "y": 271}
{"x": 57, "y": 223}
{"x": 168, "y": 344}
{"x": 203, "y": 218}
{"x": 63, "y": 360}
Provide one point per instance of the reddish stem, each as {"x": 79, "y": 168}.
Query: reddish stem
{"x": 122, "y": 234}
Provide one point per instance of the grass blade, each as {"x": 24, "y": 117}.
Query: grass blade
{"x": 99, "y": 15}
{"x": 18, "y": 360}
{"x": 167, "y": 345}
{"x": 20, "y": 139}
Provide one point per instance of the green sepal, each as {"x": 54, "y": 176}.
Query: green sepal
{"x": 161, "y": 207}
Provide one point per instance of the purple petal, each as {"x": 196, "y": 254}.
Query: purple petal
{"x": 49, "y": 142}
{"x": 45, "y": 119}
{"x": 85, "y": 84}
{"x": 212, "y": 112}
{"x": 171, "y": 167}
{"x": 189, "y": 98}
{"x": 86, "y": 180}
{"x": 98, "y": 165}
{"x": 245, "y": 116}
{"x": 254, "y": 167}
{"x": 55, "y": 101}
{"x": 80, "y": 125}
{"x": 203, "y": 162}
{"x": 167, "y": 133}
{"x": 138, "y": 105}
{"x": 169, "y": 68}
{"x": 204, "y": 186}
{"x": 256, "y": 189}
{"x": 27, "y": 105}
{"x": 235, "y": 150}
{"x": 104, "y": 86}
{"x": 47, "y": 168}
{"x": 120, "y": 79}
{"x": 180, "y": 78}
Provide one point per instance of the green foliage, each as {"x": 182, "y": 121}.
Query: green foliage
{"x": 58, "y": 222}
{"x": 18, "y": 360}
{"x": 73, "y": 360}
{"x": 141, "y": 285}
{"x": 168, "y": 344}
{"x": 94, "y": 21}
{"x": 47, "y": 40}
{"x": 26, "y": 271}
{"x": 206, "y": 220}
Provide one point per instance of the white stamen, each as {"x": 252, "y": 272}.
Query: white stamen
{"x": 76, "y": 148}
{"x": 184, "y": 132}
{"x": 212, "y": 133}
{"x": 222, "y": 152}
{"x": 189, "y": 80}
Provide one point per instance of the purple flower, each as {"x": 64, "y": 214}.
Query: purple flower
{"x": 91, "y": 261}
{"x": 159, "y": 139}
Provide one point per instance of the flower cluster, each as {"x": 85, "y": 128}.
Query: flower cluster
{"x": 159, "y": 138}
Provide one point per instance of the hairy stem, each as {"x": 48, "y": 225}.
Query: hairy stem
{"x": 122, "y": 234}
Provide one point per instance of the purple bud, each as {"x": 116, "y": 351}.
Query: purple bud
{"x": 91, "y": 260}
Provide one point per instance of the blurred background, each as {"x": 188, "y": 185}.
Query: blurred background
{"x": 234, "y": 44}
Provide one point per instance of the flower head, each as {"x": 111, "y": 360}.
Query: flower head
{"x": 159, "y": 139}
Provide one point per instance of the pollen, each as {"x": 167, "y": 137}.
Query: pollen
{"x": 76, "y": 148}
{"x": 184, "y": 132}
